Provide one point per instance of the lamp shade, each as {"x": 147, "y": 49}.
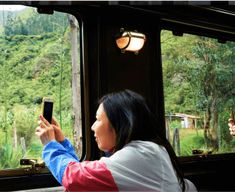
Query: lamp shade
{"x": 130, "y": 41}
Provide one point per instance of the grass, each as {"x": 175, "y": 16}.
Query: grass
{"x": 190, "y": 139}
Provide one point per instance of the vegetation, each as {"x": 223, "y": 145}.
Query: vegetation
{"x": 35, "y": 51}
{"x": 199, "y": 79}
{"x": 198, "y": 72}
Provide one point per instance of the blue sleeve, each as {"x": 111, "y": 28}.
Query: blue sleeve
{"x": 69, "y": 147}
{"x": 57, "y": 157}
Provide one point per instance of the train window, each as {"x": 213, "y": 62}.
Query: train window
{"x": 199, "y": 79}
{"x": 39, "y": 58}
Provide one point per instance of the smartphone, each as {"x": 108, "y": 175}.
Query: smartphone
{"x": 47, "y": 108}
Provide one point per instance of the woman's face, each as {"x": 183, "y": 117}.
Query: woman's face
{"x": 105, "y": 135}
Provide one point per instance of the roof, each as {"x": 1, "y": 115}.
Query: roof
{"x": 183, "y": 115}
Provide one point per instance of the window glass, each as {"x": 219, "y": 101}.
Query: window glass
{"x": 36, "y": 62}
{"x": 199, "y": 93}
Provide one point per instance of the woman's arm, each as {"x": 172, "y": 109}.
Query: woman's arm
{"x": 57, "y": 159}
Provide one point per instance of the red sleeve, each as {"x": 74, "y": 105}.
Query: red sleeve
{"x": 88, "y": 176}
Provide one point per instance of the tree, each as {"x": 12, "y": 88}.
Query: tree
{"x": 212, "y": 72}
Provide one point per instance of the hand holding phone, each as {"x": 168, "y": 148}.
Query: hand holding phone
{"x": 47, "y": 109}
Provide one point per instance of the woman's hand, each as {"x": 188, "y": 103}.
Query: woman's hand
{"x": 59, "y": 136}
{"x": 231, "y": 125}
{"x": 48, "y": 132}
{"x": 45, "y": 131}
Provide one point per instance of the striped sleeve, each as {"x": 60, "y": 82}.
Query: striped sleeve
{"x": 88, "y": 176}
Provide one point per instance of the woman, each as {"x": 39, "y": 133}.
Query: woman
{"x": 142, "y": 158}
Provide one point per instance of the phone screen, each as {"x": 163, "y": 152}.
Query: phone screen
{"x": 47, "y": 109}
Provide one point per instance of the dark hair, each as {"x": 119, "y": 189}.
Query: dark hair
{"x": 132, "y": 119}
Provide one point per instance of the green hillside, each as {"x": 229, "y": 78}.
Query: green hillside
{"x": 35, "y": 62}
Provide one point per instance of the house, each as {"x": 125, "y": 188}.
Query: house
{"x": 187, "y": 121}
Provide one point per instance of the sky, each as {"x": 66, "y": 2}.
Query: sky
{"x": 11, "y": 7}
